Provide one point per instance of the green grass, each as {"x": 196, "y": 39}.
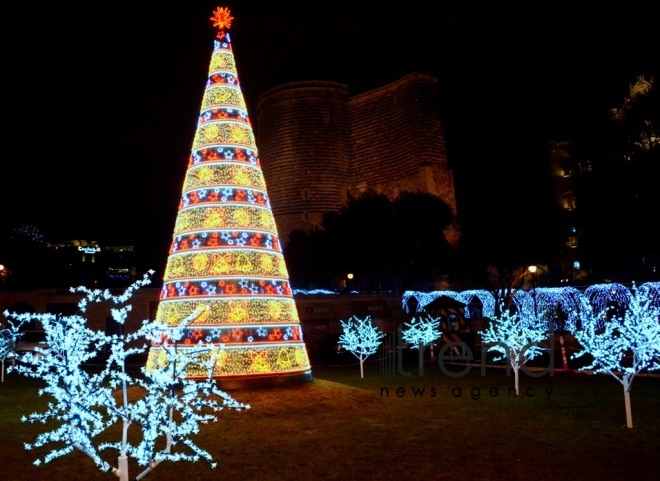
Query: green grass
{"x": 340, "y": 427}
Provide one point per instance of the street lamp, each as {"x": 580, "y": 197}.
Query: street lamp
{"x": 532, "y": 270}
{"x": 348, "y": 281}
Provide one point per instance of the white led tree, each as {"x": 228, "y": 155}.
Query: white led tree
{"x": 420, "y": 332}
{"x": 8, "y": 338}
{"x": 87, "y": 401}
{"x": 625, "y": 345}
{"x": 516, "y": 339}
{"x": 361, "y": 338}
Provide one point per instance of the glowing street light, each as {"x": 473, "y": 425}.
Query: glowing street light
{"x": 532, "y": 270}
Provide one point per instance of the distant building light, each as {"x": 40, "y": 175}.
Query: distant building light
{"x": 89, "y": 250}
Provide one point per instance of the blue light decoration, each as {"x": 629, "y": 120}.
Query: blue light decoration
{"x": 652, "y": 291}
{"x": 573, "y": 306}
{"x": 420, "y": 332}
{"x": 87, "y": 406}
{"x": 603, "y": 296}
{"x": 9, "y": 337}
{"x": 515, "y": 339}
{"x": 627, "y": 343}
{"x": 425, "y": 298}
{"x": 225, "y": 260}
{"x": 485, "y": 297}
{"x": 361, "y": 338}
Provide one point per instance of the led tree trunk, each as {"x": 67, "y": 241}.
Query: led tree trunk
{"x": 225, "y": 265}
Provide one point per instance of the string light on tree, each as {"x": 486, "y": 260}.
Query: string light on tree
{"x": 361, "y": 338}
{"x": 420, "y": 333}
{"x": 166, "y": 407}
{"x": 225, "y": 261}
{"x": 626, "y": 344}
{"x": 515, "y": 339}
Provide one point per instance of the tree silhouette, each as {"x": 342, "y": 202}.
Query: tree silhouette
{"x": 619, "y": 197}
{"x": 388, "y": 244}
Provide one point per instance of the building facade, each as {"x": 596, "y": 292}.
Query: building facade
{"x": 319, "y": 146}
{"x": 570, "y": 167}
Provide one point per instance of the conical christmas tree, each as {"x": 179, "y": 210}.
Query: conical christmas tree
{"x": 225, "y": 269}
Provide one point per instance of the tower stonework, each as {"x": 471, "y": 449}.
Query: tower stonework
{"x": 319, "y": 146}
{"x": 306, "y": 133}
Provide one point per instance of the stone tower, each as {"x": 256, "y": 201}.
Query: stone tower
{"x": 319, "y": 145}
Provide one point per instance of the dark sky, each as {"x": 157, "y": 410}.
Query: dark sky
{"x": 102, "y": 98}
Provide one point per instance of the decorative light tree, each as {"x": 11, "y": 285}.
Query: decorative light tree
{"x": 516, "y": 339}
{"x": 8, "y": 338}
{"x": 420, "y": 332}
{"x": 361, "y": 338}
{"x": 168, "y": 413}
{"x": 226, "y": 262}
{"x": 623, "y": 346}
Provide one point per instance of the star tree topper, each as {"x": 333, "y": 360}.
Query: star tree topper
{"x": 222, "y": 18}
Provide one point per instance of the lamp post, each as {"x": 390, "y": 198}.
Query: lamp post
{"x": 532, "y": 270}
{"x": 349, "y": 281}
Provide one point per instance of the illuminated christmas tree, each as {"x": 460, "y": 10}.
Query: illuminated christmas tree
{"x": 225, "y": 267}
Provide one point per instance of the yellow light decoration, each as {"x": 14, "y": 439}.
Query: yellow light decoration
{"x": 225, "y": 311}
{"x": 223, "y": 174}
{"x": 275, "y": 311}
{"x": 212, "y": 134}
{"x": 221, "y": 264}
{"x": 209, "y": 264}
{"x": 240, "y": 361}
{"x": 225, "y": 265}
{"x": 222, "y": 61}
{"x": 216, "y": 217}
{"x": 223, "y": 97}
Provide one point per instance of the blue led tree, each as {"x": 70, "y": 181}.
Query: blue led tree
{"x": 8, "y": 338}
{"x": 624, "y": 345}
{"x": 516, "y": 339}
{"x": 420, "y": 332}
{"x": 86, "y": 402}
{"x": 361, "y": 338}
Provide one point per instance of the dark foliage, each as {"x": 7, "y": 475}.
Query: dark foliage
{"x": 388, "y": 245}
{"x": 619, "y": 199}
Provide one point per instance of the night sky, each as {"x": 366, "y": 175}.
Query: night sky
{"x": 102, "y": 98}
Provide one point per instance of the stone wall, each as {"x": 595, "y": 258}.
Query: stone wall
{"x": 318, "y": 146}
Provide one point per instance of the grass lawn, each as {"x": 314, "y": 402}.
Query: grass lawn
{"x": 569, "y": 426}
